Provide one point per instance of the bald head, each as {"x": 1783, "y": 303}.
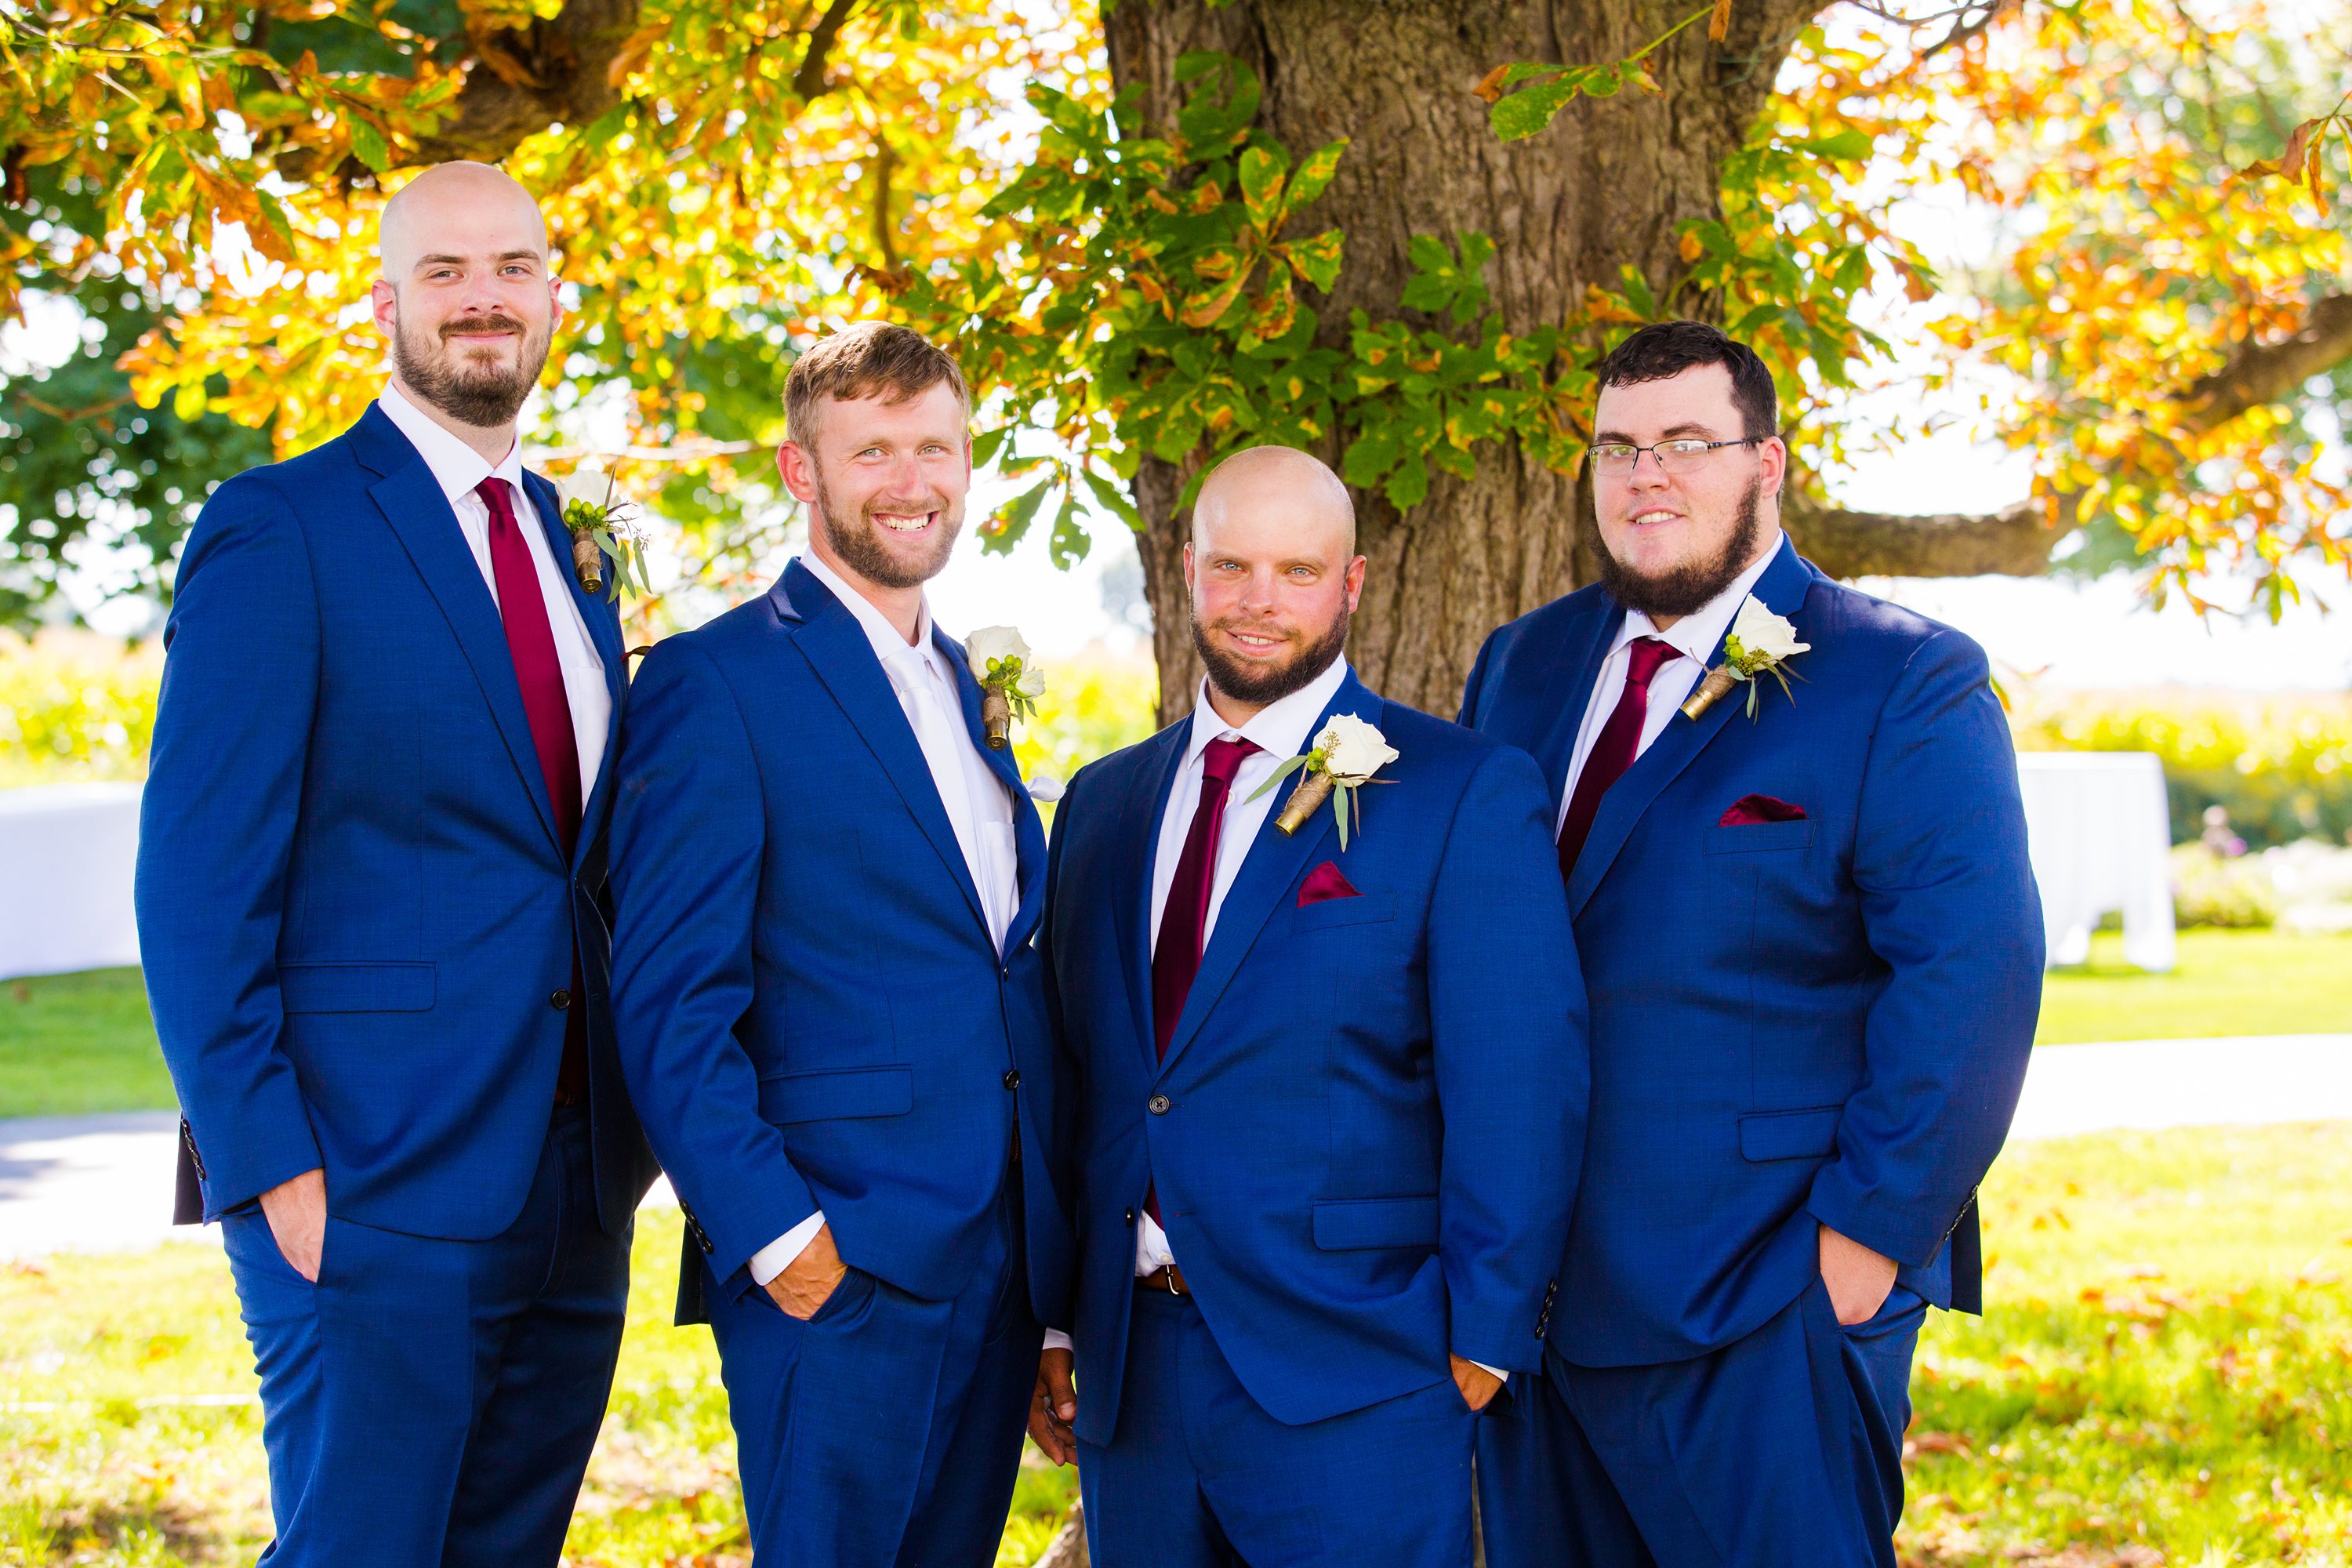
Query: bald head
{"x": 1273, "y": 573}
{"x": 455, "y": 209}
{"x": 1271, "y": 483}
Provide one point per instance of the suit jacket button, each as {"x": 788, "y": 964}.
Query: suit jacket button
{"x": 1013, "y": 1078}
{"x": 1158, "y": 1105}
{"x": 1130, "y": 1216}
{"x": 560, "y": 1001}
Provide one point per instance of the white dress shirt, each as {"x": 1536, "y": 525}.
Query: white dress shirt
{"x": 978, "y": 805}
{"x": 1694, "y": 640}
{"x": 459, "y": 471}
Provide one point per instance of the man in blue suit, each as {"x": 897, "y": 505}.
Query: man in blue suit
{"x": 1813, "y": 950}
{"x": 1328, "y": 1085}
{"x": 369, "y": 904}
{"x": 830, "y": 1010}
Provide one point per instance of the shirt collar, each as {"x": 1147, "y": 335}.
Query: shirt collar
{"x": 1698, "y": 635}
{"x": 1279, "y": 728}
{"x": 888, "y": 643}
{"x": 457, "y": 468}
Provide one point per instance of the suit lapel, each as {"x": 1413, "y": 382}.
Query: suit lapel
{"x": 601, "y": 614}
{"x": 1569, "y": 692}
{"x": 1782, "y": 588}
{"x": 1275, "y": 860}
{"x": 412, "y": 503}
{"x": 836, "y": 649}
{"x": 1028, "y": 833}
{"x": 1136, "y": 839}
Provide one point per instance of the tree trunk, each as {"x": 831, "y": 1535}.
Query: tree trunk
{"x": 1605, "y": 188}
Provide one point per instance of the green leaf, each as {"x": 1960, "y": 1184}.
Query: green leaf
{"x": 368, "y": 143}
{"x": 1314, "y": 175}
{"x": 1409, "y": 486}
{"x": 188, "y": 403}
{"x": 1261, "y": 178}
{"x": 1068, "y": 544}
{"x": 1316, "y": 260}
{"x": 1113, "y": 500}
{"x": 1339, "y": 793}
{"x": 1000, "y": 533}
{"x": 1370, "y": 455}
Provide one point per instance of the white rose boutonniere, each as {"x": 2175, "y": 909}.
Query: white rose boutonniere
{"x": 1759, "y": 644}
{"x": 1008, "y": 685}
{"x": 601, "y": 521}
{"x": 1343, "y": 759}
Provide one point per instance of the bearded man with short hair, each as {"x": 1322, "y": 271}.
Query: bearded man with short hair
{"x": 1813, "y": 950}
{"x": 1327, "y": 1080}
{"x": 369, "y": 898}
{"x": 829, "y": 1006}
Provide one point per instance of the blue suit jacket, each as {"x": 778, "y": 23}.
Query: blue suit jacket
{"x": 1818, "y": 1020}
{"x": 354, "y": 910}
{"x": 812, "y": 1013}
{"x": 1372, "y": 1105}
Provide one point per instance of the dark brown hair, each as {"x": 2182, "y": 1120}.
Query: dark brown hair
{"x": 1669, "y": 348}
{"x": 861, "y": 361}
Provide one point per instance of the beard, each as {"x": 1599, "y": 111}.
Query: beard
{"x": 861, "y": 547}
{"x": 1267, "y": 684}
{"x": 1686, "y": 589}
{"x": 484, "y": 395}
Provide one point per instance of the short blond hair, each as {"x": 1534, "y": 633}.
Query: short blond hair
{"x": 861, "y": 361}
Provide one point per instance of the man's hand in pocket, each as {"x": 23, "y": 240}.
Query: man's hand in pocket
{"x": 810, "y": 1279}
{"x": 296, "y": 1212}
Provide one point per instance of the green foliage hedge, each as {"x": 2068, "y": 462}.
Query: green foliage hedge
{"x": 75, "y": 706}
{"x": 2281, "y": 766}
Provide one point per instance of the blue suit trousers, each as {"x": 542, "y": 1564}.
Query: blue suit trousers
{"x": 430, "y": 1401}
{"x": 883, "y": 1432}
{"x": 1783, "y": 1449}
{"x": 1199, "y": 1476}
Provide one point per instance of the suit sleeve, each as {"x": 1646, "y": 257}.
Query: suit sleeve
{"x": 1473, "y": 688}
{"x": 1948, "y": 903}
{"x": 1069, "y": 1064}
{"x": 689, "y": 834}
{"x": 1507, "y": 1024}
{"x": 217, "y": 828}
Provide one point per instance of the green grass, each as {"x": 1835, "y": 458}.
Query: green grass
{"x": 76, "y": 1043}
{"x": 2227, "y": 983}
{"x": 128, "y": 1438}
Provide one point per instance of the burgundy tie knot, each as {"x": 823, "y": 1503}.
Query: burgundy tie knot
{"x": 1648, "y": 656}
{"x": 1222, "y": 760}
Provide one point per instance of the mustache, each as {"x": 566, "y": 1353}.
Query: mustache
{"x": 482, "y": 327}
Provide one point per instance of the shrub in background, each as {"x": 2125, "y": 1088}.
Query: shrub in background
{"x": 2281, "y": 766}
{"x": 1094, "y": 704}
{"x": 75, "y": 706}
{"x": 2212, "y": 889}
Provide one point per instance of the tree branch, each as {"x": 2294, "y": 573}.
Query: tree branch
{"x": 558, "y": 70}
{"x": 2012, "y": 542}
{"x": 2269, "y": 373}
{"x": 808, "y": 82}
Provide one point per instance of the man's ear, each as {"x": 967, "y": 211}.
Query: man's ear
{"x": 1187, "y": 565}
{"x": 1354, "y": 582}
{"x": 383, "y": 301}
{"x": 799, "y": 474}
{"x": 1772, "y": 464}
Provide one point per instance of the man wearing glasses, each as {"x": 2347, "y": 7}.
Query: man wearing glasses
{"x": 1812, "y": 948}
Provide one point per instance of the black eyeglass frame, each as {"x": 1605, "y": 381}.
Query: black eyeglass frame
{"x": 1634, "y": 461}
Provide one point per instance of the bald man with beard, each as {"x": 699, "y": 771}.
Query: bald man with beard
{"x": 1329, "y": 1087}
{"x": 371, "y": 906}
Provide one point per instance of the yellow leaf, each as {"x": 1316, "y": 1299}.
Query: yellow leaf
{"x": 1719, "y": 23}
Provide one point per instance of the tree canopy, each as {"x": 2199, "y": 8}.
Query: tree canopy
{"x": 2161, "y": 323}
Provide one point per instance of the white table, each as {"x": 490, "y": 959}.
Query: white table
{"x": 66, "y": 857}
{"x": 2101, "y": 842}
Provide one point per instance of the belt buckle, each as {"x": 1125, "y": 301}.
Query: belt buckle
{"x": 1169, "y": 1277}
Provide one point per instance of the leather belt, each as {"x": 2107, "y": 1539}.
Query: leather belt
{"x": 1167, "y": 1277}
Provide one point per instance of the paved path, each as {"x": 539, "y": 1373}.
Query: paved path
{"x": 104, "y": 1183}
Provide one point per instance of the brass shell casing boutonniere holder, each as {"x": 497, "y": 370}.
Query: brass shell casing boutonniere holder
{"x": 602, "y": 522}
{"x": 1008, "y": 686}
{"x": 1760, "y": 643}
{"x": 1343, "y": 759}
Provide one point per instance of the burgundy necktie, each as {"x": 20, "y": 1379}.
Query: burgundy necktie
{"x": 1176, "y": 957}
{"x": 530, "y": 642}
{"x": 1614, "y": 752}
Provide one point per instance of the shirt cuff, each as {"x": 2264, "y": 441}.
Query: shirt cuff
{"x": 777, "y": 1256}
{"x": 1496, "y": 1373}
{"x": 1055, "y": 1340}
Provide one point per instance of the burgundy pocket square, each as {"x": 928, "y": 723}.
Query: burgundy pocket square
{"x": 1752, "y": 809}
{"x": 1323, "y": 884}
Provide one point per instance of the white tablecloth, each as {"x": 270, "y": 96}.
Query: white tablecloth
{"x": 65, "y": 856}
{"x": 2101, "y": 841}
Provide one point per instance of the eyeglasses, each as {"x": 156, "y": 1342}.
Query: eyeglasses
{"x": 1616, "y": 459}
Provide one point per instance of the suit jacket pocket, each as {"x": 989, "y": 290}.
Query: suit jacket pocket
{"x": 1362, "y": 909}
{"x": 356, "y": 988}
{"x": 1790, "y": 1134}
{"x": 839, "y": 1092}
{"x": 1346, "y": 1225}
{"x": 1752, "y": 835}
